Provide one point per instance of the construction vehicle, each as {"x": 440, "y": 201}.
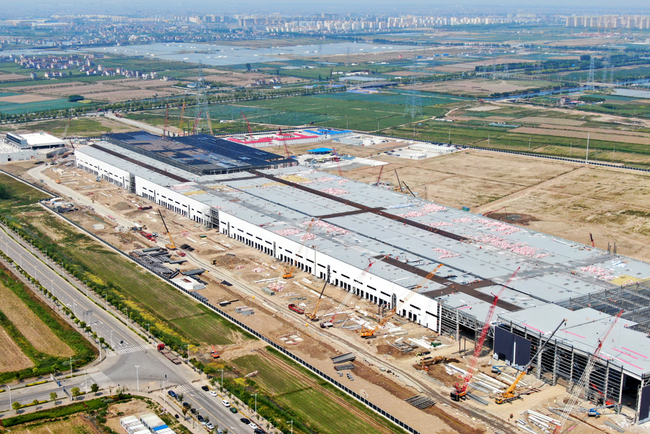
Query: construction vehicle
{"x": 171, "y": 245}
{"x": 312, "y": 316}
{"x": 288, "y": 272}
{"x": 366, "y": 333}
{"x": 296, "y": 309}
{"x": 593, "y": 412}
{"x": 214, "y": 353}
{"x": 461, "y": 389}
{"x": 579, "y": 388}
{"x": 509, "y": 394}
{"x": 58, "y": 181}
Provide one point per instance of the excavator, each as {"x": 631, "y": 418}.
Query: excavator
{"x": 171, "y": 245}
{"x": 312, "y": 316}
{"x": 214, "y": 353}
{"x": 509, "y": 394}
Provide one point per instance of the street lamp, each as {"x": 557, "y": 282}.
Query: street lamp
{"x": 86, "y": 285}
{"x": 112, "y": 338}
{"x": 221, "y": 378}
{"x": 148, "y": 329}
{"x": 9, "y": 395}
{"x": 137, "y": 377}
{"x": 255, "y": 394}
{"x": 86, "y": 380}
{"x": 291, "y": 422}
{"x": 70, "y": 366}
{"x": 188, "y": 353}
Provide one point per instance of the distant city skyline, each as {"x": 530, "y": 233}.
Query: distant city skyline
{"x": 41, "y": 8}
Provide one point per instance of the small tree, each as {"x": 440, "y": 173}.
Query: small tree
{"x": 102, "y": 340}
{"x": 180, "y": 396}
{"x": 53, "y": 396}
{"x": 94, "y": 388}
{"x": 82, "y": 324}
{"x": 35, "y": 402}
{"x": 75, "y": 391}
{"x": 16, "y": 405}
{"x": 88, "y": 329}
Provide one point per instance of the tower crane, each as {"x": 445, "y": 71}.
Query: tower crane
{"x": 460, "y": 389}
{"x": 379, "y": 176}
{"x": 247, "y": 124}
{"x": 171, "y": 245}
{"x": 196, "y": 122}
{"x": 509, "y": 394}
{"x": 289, "y": 269}
{"x": 312, "y": 316}
{"x": 180, "y": 118}
{"x": 584, "y": 380}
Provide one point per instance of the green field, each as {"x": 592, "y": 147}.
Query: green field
{"x": 78, "y": 127}
{"x": 173, "y": 316}
{"x": 12, "y": 108}
{"x": 311, "y": 410}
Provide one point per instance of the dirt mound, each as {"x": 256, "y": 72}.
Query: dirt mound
{"x": 122, "y": 206}
{"x": 390, "y": 350}
{"x": 514, "y": 218}
{"x": 440, "y": 373}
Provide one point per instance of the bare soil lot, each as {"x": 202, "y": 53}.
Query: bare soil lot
{"x": 11, "y": 357}
{"x": 469, "y": 66}
{"x": 613, "y": 137}
{"x": 36, "y": 331}
{"x": 480, "y": 86}
{"x": 21, "y": 99}
{"x": 77, "y": 424}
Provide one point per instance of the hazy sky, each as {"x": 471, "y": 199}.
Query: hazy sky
{"x": 34, "y": 8}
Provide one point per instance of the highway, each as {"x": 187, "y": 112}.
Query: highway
{"x": 133, "y": 363}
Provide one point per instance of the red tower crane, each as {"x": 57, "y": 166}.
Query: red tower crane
{"x": 584, "y": 379}
{"x": 379, "y": 176}
{"x": 460, "y": 389}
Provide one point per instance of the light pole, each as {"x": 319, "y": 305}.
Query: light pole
{"x": 112, "y": 338}
{"x": 74, "y": 307}
{"x": 70, "y": 366}
{"x": 137, "y": 377}
{"x": 188, "y": 353}
{"x": 148, "y": 330}
{"x": 9, "y": 396}
{"x": 255, "y": 402}
{"x": 86, "y": 381}
{"x": 106, "y": 300}
{"x": 291, "y": 422}
{"x": 221, "y": 378}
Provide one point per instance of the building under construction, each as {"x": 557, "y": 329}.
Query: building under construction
{"x": 382, "y": 245}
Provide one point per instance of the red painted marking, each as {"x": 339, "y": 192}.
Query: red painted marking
{"x": 645, "y": 357}
{"x": 571, "y": 333}
{"x": 623, "y": 352}
{"x": 531, "y": 327}
{"x": 631, "y": 364}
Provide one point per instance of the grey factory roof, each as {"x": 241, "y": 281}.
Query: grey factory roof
{"x": 402, "y": 238}
{"x": 584, "y": 329}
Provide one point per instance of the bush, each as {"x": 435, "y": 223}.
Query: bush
{"x": 75, "y": 98}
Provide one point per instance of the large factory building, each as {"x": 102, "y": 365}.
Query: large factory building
{"x": 382, "y": 245}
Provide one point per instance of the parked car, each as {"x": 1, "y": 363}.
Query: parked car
{"x": 199, "y": 417}
{"x": 172, "y": 394}
{"x": 206, "y": 388}
{"x": 186, "y": 405}
{"x": 193, "y": 410}
{"x": 244, "y": 420}
{"x": 233, "y": 410}
{"x": 225, "y": 403}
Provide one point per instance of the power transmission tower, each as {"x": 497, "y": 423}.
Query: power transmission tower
{"x": 606, "y": 62}
{"x": 590, "y": 80}
{"x": 202, "y": 110}
{"x": 413, "y": 106}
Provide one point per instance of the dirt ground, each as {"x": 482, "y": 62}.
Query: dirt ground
{"x": 582, "y": 135}
{"x": 11, "y": 357}
{"x": 22, "y": 99}
{"x": 110, "y": 91}
{"x": 234, "y": 78}
{"x": 480, "y": 86}
{"x": 77, "y": 424}
{"x": 469, "y": 66}
{"x": 135, "y": 407}
{"x": 30, "y": 325}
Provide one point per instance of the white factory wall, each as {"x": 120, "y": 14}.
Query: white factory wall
{"x": 105, "y": 171}
{"x": 364, "y": 284}
{"x": 18, "y": 155}
{"x": 173, "y": 200}
{"x": 418, "y": 308}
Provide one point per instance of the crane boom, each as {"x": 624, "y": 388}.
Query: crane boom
{"x": 166, "y": 121}
{"x": 509, "y": 395}
{"x": 379, "y": 176}
{"x": 460, "y": 389}
{"x": 171, "y": 245}
{"x": 584, "y": 379}
{"x": 313, "y": 316}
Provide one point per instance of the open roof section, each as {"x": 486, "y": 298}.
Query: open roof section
{"x": 200, "y": 154}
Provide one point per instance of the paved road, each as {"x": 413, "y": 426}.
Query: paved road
{"x": 116, "y": 368}
{"x": 136, "y": 124}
